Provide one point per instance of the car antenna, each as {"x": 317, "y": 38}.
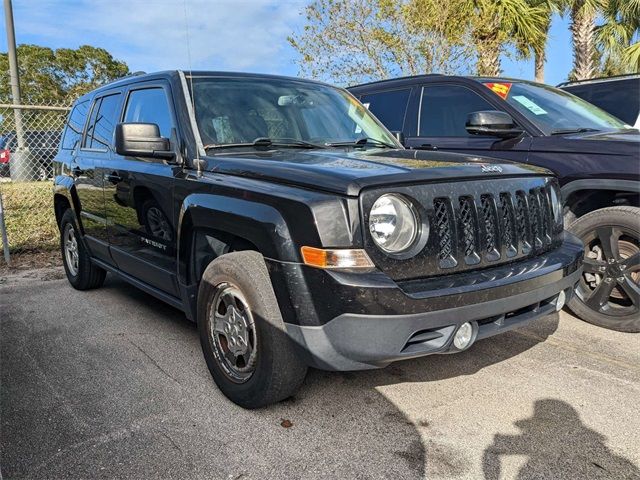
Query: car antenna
{"x": 198, "y": 161}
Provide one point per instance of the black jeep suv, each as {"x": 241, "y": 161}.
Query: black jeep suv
{"x": 596, "y": 157}
{"x": 285, "y": 220}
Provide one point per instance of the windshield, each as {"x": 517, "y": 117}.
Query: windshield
{"x": 241, "y": 110}
{"x": 555, "y": 111}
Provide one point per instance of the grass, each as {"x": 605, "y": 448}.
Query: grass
{"x": 28, "y": 216}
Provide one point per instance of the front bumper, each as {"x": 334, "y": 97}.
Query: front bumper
{"x": 494, "y": 301}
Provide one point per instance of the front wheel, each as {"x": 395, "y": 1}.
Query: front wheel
{"x": 608, "y": 294}
{"x": 248, "y": 352}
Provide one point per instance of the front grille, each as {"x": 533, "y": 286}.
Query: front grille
{"x": 493, "y": 226}
{"x": 470, "y": 225}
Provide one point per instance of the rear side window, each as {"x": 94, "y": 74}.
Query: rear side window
{"x": 444, "y": 110}
{"x": 75, "y": 125}
{"x": 103, "y": 121}
{"x": 390, "y": 107}
{"x": 620, "y": 98}
{"x": 150, "y": 106}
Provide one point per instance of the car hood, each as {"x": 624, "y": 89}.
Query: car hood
{"x": 621, "y": 142}
{"x": 348, "y": 172}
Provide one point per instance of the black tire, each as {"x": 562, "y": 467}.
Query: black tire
{"x": 275, "y": 372}
{"x": 608, "y": 294}
{"x": 82, "y": 274}
{"x": 155, "y": 222}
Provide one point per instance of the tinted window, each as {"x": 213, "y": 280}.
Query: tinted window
{"x": 75, "y": 125}
{"x": 445, "y": 108}
{"x": 150, "y": 106}
{"x": 100, "y": 132}
{"x": 620, "y": 98}
{"x": 389, "y": 107}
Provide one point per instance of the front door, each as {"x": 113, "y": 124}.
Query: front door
{"x": 442, "y": 115}
{"x": 139, "y": 197}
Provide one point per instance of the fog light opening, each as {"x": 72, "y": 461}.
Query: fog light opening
{"x": 561, "y": 300}
{"x": 464, "y": 336}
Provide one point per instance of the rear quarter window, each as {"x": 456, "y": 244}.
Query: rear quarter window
{"x": 75, "y": 125}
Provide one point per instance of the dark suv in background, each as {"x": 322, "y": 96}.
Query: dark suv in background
{"x": 596, "y": 157}
{"x": 287, "y": 221}
{"x": 619, "y": 96}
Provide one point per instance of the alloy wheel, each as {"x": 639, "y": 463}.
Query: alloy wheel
{"x": 233, "y": 333}
{"x": 71, "y": 250}
{"x": 610, "y": 283}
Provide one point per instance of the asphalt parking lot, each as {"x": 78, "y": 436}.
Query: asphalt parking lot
{"x": 112, "y": 384}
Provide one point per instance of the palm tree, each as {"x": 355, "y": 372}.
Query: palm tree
{"x": 583, "y": 23}
{"x": 615, "y": 37}
{"x": 496, "y": 23}
{"x": 539, "y": 45}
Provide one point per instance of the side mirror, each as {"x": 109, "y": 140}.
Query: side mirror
{"x": 399, "y": 137}
{"x": 142, "y": 140}
{"x": 492, "y": 123}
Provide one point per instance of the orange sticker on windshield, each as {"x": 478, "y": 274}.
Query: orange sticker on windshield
{"x": 500, "y": 89}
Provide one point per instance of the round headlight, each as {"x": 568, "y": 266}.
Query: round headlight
{"x": 393, "y": 223}
{"x": 556, "y": 204}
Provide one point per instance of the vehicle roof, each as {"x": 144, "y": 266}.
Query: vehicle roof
{"x": 416, "y": 78}
{"x": 613, "y": 78}
{"x": 169, "y": 74}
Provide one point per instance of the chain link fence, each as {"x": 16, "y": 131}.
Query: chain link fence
{"x": 29, "y": 139}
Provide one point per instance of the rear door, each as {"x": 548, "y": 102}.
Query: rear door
{"x": 440, "y": 123}
{"x": 139, "y": 195}
{"x": 85, "y": 168}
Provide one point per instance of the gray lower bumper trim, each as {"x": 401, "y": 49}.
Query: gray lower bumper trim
{"x": 358, "y": 342}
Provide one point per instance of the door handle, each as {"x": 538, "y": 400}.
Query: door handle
{"x": 427, "y": 146}
{"x": 113, "y": 177}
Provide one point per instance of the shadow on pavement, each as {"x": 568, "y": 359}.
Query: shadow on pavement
{"x": 556, "y": 444}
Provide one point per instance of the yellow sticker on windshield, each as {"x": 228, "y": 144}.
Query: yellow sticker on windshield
{"x": 500, "y": 89}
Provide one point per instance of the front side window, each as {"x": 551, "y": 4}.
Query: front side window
{"x": 444, "y": 110}
{"x": 150, "y": 106}
{"x": 240, "y": 110}
{"x": 389, "y": 107}
{"x": 75, "y": 125}
{"x": 554, "y": 111}
{"x": 103, "y": 121}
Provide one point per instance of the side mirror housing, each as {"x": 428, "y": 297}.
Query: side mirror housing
{"x": 399, "y": 137}
{"x": 492, "y": 123}
{"x": 142, "y": 140}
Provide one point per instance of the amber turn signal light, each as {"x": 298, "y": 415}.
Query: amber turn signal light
{"x": 335, "y": 258}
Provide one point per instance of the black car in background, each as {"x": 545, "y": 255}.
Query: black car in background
{"x": 595, "y": 155}
{"x": 41, "y": 147}
{"x": 619, "y": 96}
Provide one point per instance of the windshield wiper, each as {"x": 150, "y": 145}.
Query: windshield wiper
{"x": 266, "y": 142}
{"x": 565, "y": 131}
{"x": 361, "y": 143}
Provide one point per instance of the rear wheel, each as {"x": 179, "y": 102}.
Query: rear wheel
{"x": 81, "y": 273}
{"x": 243, "y": 337}
{"x": 608, "y": 294}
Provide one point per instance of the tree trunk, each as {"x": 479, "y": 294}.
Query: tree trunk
{"x": 540, "y": 59}
{"x": 582, "y": 28}
{"x": 488, "y": 63}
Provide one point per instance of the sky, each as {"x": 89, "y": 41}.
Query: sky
{"x": 237, "y": 35}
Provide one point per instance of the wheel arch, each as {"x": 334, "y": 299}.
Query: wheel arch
{"x": 584, "y": 196}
